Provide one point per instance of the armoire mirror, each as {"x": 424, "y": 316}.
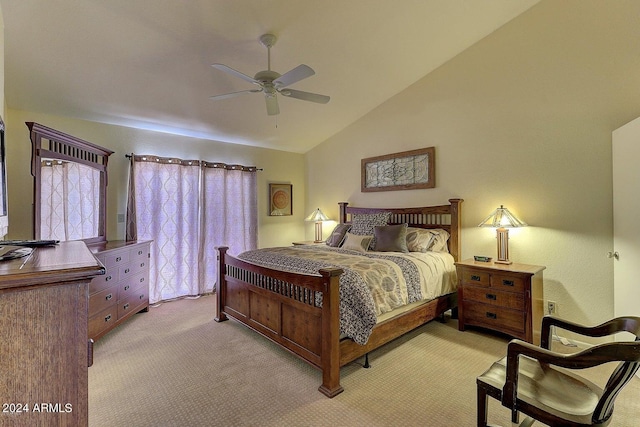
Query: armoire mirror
{"x": 70, "y": 186}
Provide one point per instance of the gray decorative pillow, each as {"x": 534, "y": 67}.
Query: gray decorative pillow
{"x": 337, "y": 235}
{"x": 391, "y": 238}
{"x": 364, "y": 224}
{"x": 357, "y": 243}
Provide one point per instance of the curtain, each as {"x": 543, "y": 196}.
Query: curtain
{"x": 69, "y": 201}
{"x": 188, "y": 207}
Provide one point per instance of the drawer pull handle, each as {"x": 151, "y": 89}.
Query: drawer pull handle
{"x": 141, "y": 296}
{"x": 142, "y": 264}
{"x": 118, "y": 259}
{"x": 126, "y": 306}
{"x": 492, "y": 315}
{"x": 106, "y": 279}
{"x": 139, "y": 252}
{"x": 106, "y": 319}
{"x": 126, "y": 271}
{"x": 476, "y": 278}
{"x": 141, "y": 279}
{"x": 126, "y": 288}
{"x": 108, "y": 297}
{"x": 508, "y": 282}
{"x": 491, "y": 297}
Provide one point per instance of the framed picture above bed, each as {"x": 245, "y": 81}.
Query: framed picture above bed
{"x": 280, "y": 199}
{"x": 407, "y": 170}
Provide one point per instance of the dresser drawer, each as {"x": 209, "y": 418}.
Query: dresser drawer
{"x": 102, "y": 282}
{"x": 132, "y": 283}
{"x": 114, "y": 258}
{"x": 103, "y": 320}
{"x": 134, "y": 301}
{"x": 494, "y": 297}
{"x": 103, "y": 299}
{"x": 475, "y": 277}
{"x": 496, "y": 318}
{"x": 508, "y": 282}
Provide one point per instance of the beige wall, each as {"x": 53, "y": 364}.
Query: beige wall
{"x": 278, "y": 167}
{"x": 523, "y": 118}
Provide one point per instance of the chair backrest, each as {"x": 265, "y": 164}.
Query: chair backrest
{"x": 623, "y": 373}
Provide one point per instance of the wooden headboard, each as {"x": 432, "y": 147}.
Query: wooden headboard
{"x": 447, "y": 217}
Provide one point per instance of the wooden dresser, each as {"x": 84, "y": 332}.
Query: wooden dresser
{"x": 44, "y": 349}
{"x": 123, "y": 290}
{"x": 503, "y": 297}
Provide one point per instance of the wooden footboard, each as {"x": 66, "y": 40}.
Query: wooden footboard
{"x": 282, "y": 307}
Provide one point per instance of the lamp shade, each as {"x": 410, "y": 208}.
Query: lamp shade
{"x": 502, "y": 218}
{"x": 317, "y": 215}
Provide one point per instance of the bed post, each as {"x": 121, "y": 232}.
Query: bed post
{"x": 220, "y": 290}
{"x": 343, "y": 212}
{"x": 330, "y": 386}
{"x": 455, "y": 246}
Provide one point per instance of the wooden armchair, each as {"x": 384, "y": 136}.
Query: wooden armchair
{"x": 539, "y": 383}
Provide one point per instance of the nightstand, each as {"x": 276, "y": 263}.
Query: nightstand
{"x": 308, "y": 242}
{"x": 501, "y": 297}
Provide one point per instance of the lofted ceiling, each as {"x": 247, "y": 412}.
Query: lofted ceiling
{"x": 147, "y": 63}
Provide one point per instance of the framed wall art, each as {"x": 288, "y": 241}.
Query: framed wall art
{"x": 280, "y": 199}
{"x": 407, "y": 170}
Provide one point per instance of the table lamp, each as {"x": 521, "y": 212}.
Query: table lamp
{"x": 501, "y": 219}
{"x": 318, "y": 217}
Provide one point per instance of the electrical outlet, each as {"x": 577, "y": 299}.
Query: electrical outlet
{"x": 551, "y": 307}
{"x": 120, "y": 218}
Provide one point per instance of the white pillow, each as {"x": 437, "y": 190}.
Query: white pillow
{"x": 427, "y": 239}
{"x": 354, "y": 242}
{"x": 440, "y": 238}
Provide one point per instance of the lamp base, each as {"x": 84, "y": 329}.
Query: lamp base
{"x": 503, "y": 246}
{"x": 318, "y": 232}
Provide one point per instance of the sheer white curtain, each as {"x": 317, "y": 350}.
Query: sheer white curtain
{"x": 188, "y": 208}
{"x": 69, "y": 201}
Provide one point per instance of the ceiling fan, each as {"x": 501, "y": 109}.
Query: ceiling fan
{"x": 272, "y": 83}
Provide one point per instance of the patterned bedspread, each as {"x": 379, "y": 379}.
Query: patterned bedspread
{"x": 373, "y": 283}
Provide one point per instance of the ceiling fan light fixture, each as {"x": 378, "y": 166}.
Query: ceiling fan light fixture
{"x": 271, "y": 82}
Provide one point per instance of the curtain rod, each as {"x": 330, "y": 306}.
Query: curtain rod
{"x": 130, "y": 156}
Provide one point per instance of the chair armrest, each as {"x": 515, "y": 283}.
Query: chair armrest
{"x": 620, "y": 324}
{"x": 590, "y": 357}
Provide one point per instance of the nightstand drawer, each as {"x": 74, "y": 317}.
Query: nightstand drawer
{"x": 507, "y": 282}
{"x": 496, "y": 318}
{"x": 493, "y": 297}
{"x": 475, "y": 277}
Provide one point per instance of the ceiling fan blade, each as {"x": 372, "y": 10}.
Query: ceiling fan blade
{"x": 233, "y": 94}
{"x": 305, "y": 96}
{"x": 272, "y": 105}
{"x": 295, "y": 75}
{"x": 236, "y": 73}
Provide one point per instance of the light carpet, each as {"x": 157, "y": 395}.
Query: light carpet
{"x": 175, "y": 366}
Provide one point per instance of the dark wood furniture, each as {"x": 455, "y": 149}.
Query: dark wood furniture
{"x": 123, "y": 290}
{"x": 44, "y": 351}
{"x": 503, "y": 297}
{"x": 280, "y": 304}
{"x": 51, "y": 144}
{"x": 539, "y": 383}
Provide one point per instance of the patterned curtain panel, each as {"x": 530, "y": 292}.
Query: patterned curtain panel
{"x": 187, "y": 209}
{"x": 229, "y": 215}
{"x": 69, "y": 200}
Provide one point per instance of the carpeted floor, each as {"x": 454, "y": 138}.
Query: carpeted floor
{"x": 175, "y": 366}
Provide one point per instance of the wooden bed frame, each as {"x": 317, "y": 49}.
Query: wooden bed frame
{"x": 281, "y": 306}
